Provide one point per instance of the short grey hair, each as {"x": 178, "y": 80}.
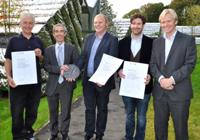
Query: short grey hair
{"x": 60, "y": 25}
{"x": 27, "y": 14}
{"x": 171, "y": 12}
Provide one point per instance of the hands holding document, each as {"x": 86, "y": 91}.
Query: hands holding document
{"x": 23, "y": 63}
{"x": 147, "y": 78}
{"x": 134, "y": 78}
{"x": 107, "y": 67}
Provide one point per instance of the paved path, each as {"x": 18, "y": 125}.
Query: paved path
{"x": 115, "y": 124}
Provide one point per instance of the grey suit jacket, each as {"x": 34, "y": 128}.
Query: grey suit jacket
{"x": 108, "y": 45}
{"x": 180, "y": 64}
{"x": 52, "y": 67}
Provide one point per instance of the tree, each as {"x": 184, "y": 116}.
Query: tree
{"x": 9, "y": 13}
{"x": 132, "y": 12}
{"x": 192, "y": 15}
{"x": 152, "y": 11}
{"x": 106, "y": 9}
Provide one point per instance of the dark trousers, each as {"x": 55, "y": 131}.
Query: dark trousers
{"x": 63, "y": 95}
{"x": 24, "y": 102}
{"x": 179, "y": 111}
{"x": 95, "y": 98}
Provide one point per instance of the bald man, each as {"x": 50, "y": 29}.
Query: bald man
{"x": 96, "y": 96}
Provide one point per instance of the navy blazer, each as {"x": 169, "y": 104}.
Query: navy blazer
{"x": 145, "y": 55}
{"x": 108, "y": 45}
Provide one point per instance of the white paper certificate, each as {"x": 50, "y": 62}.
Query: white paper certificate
{"x": 107, "y": 67}
{"x": 133, "y": 84}
{"x": 24, "y": 67}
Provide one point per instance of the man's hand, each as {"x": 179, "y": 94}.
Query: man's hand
{"x": 70, "y": 79}
{"x": 120, "y": 73}
{"x": 147, "y": 79}
{"x": 167, "y": 83}
{"x": 63, "y": 68}
{"x": 11, "y": 82}
{"x": 38, "y": 52}
{"x": 99, "y": 85}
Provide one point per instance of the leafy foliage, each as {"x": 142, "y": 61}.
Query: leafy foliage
{"x": 106, "y": 9}
{"x": 9, "y": 11}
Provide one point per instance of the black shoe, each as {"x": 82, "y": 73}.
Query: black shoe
{"x": 99, "y": 138}
{"x": 30, "y": 138}
{"x": 65, "y": 137}
{"x": 53, "y": 137}
{"x": 87, "y": 137}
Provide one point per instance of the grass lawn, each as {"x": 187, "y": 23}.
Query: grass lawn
{"x": 43, "y": 114}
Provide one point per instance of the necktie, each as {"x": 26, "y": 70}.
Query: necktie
{"x": 60, "y": 62}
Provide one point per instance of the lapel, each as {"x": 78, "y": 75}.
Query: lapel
{"x": 143, "y": 48}
{"x": 174, "y": 46}
{"x": 90, "y": 44}
{"x": 65, "y": 53}
{"x": 162, "y": 44}
{"x": 102, "y": 43}
{"x": 54, "y": 54}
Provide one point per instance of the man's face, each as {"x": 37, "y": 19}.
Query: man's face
{"x": 100, "y": 24}
{"x": 59, "y": 34}
{"x": 168, "y": 24}
{"x": 26, "y": 25}
{"x": 137, "y": 26}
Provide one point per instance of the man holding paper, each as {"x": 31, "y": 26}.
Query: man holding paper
{"x": 24, "y": 99}
{"x": 136, "y": 48}
{"x": 96, "y": 96}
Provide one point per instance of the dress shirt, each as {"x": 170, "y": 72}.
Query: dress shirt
{"x": 60, "y": 58}
{"x": 168, "y": 44}
{"x": 57, "y": 51}
{"x": 90, "y": 68}
{"x": 136, "y": 43}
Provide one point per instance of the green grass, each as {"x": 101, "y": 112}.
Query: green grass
{"x": 43, "y": 114}
{"x": 194, "y": 118}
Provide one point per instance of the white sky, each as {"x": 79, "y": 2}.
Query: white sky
{"x": 121, "y": 7}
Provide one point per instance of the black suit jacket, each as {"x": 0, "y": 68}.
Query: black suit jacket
{"x": 52, "y": 67}
{"x": 145, "y": 55}
{"x": 108, "y": 45}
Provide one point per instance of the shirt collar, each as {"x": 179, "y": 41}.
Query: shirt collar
{"x": 57, "y": 45}
{"x": 138, "y": 37}
{"x": 171, "y": 37}
{"x": 100, "y": 36}
{"x": 22, "y": 36}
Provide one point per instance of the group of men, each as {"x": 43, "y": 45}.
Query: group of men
{"x": 171, "y": 57}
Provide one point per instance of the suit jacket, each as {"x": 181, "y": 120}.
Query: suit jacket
{"x": 52, "y": 67}
{"x": 108, "y": 45}
{"x": 180, "y": 64}
{"x": 145, "y": 54}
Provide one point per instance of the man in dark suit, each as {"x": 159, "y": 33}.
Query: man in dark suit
{"x": 96, "y": 95}
{"x": 137, "y": 48}
{"x": 173, "y": 60}
{"x": 57, "y": 58}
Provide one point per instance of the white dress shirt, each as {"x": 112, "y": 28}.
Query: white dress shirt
{"x": 136, "y": 43}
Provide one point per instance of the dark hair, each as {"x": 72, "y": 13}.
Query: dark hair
{"x": 138, "y": 16}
